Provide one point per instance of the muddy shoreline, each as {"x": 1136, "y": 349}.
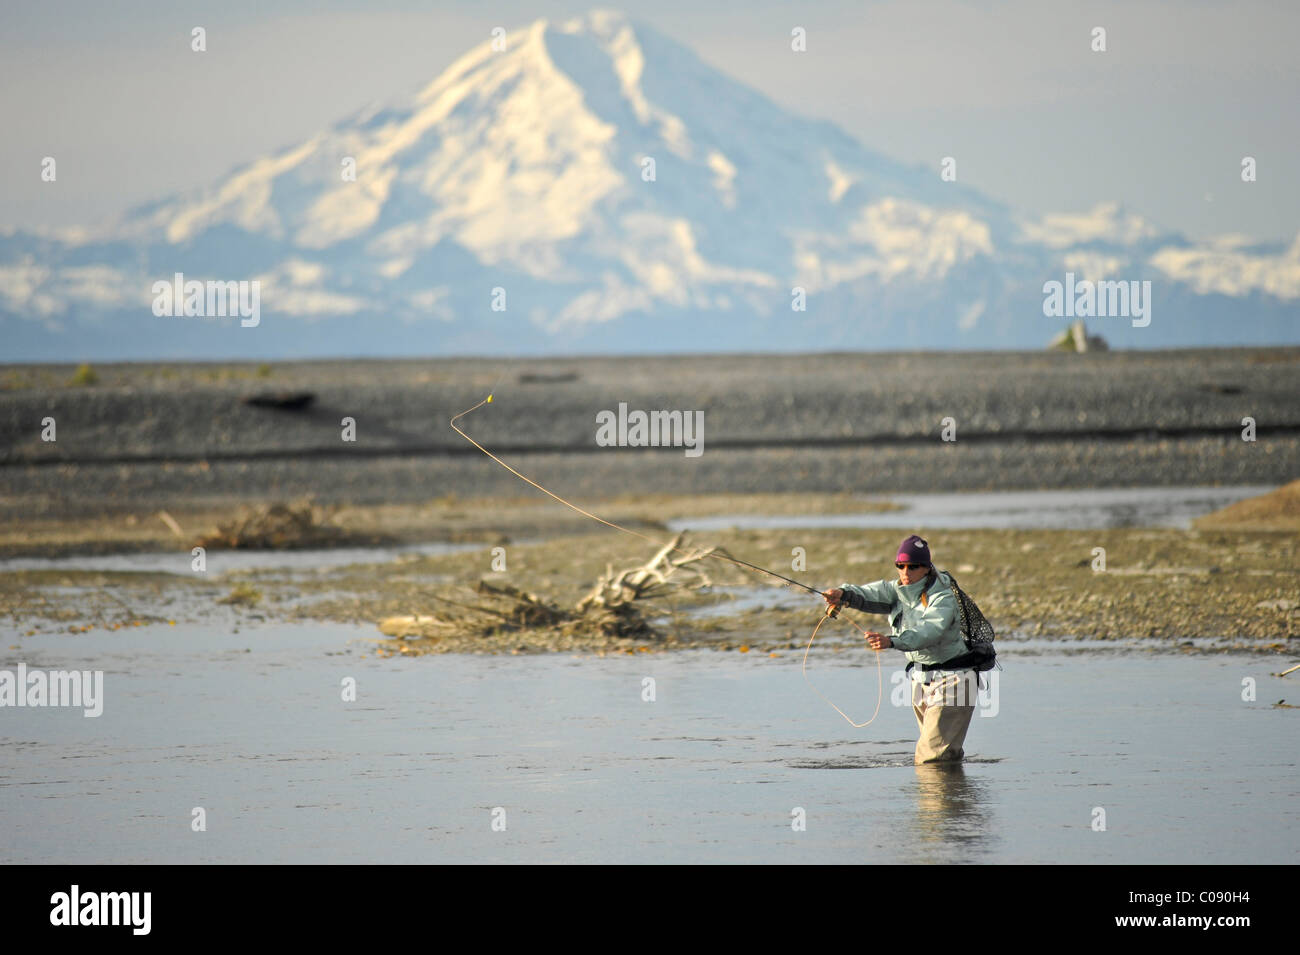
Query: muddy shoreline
{"x": 1192, "y": 589}
{"x": 150, "y": 457}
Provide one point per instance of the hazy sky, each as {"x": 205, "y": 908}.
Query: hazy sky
{"x": 1160, "y": 121}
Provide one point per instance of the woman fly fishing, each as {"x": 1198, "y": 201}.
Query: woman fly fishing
{"x": 925, "y": 621}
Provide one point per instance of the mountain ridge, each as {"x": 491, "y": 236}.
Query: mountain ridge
{"x": 510, "y": 201}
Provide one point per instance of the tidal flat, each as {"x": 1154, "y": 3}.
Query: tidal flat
{"x": 1185, "y": 586}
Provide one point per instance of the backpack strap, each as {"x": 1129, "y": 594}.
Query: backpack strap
{"x": 961, "y": 605}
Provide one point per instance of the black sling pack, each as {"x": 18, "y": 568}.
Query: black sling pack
{"x": 975, "y": 629}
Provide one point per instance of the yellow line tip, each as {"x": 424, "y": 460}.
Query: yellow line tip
{"x": 489, "y": 399}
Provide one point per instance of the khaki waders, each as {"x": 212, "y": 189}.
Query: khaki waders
{"x": 943, "y": 711}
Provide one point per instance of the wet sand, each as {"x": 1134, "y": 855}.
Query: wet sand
{"x": 151, "y": 457}
{"x": 1174, "y": 583}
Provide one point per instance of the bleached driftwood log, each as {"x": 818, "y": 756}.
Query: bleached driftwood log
{"x": 651, "y": 579}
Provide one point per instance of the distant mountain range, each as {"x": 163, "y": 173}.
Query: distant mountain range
{"x": 595, "y": 187}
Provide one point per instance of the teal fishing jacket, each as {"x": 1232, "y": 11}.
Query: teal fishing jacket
{"x": 926, "y": 634}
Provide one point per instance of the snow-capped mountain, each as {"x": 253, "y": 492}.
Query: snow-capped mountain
{"x": 592, "y": 185}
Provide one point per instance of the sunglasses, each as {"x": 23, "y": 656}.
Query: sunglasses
{"x": 909, "y": 566}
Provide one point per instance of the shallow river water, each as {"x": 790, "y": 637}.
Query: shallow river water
{"x": 573, "y": 764}
{"x": 1081, "y": 509}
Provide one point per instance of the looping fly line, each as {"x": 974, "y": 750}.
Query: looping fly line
{"x": 721, "y": 555}
{"x": 880, "y": 684}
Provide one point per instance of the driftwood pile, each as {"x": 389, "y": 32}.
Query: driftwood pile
{"x": 609, "y": 610}
{"x": 492, "y": 610}
{"x": 278, "y": 527}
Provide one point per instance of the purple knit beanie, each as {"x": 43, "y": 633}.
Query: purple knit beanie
{"x": 913, "y": 550}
